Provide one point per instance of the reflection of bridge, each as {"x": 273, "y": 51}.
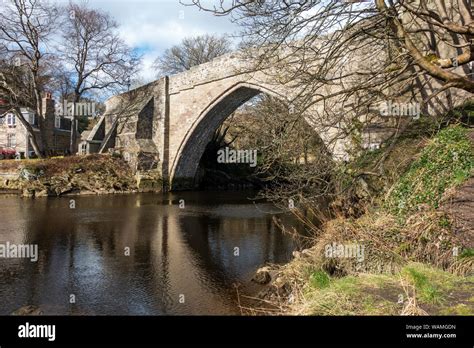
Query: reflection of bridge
{"x": 165, "y": 126}
{"x": 172, "y": 252}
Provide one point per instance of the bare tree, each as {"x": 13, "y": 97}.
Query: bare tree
{"x": 15, "y": 91}
{"x": 292, "y": 157}
{"x": 419, "y": 32}
{"x": 190, "y": 52}
{"x": 25, "y": 29}
{"x": 61, "y": 82}
{"x": 99, "y": 59}
{"x": 342, "y": 58}
{"x": 349, "y": 56}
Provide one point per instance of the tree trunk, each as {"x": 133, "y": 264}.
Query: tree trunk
{"x": 73, "y": 142}
{"x": 42, "y": 122}
{"x": 73, "y": 139}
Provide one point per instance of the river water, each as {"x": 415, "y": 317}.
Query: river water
{"x": 141, "y": 254}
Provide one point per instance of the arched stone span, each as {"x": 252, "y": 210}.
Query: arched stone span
{"x": 162, "y": 128}
{"x": 190, "y": 151}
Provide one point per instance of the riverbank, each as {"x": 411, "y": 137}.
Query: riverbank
{"x": 409, "y": 251}
{"x": 52, "y": 177}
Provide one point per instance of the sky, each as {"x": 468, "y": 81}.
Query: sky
{"x": 152, "y": 26}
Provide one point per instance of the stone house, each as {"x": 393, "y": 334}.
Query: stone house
{"x": 14, "y": 136}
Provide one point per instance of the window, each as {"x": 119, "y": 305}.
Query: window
{"x": 31, "y": 118}
{"x": 11, "y": 140}
{"x": 57, "y": 122}
{"x": 28, "y": 115}
{"x": 11, "y": 120}
{"x": 83, "y": 148}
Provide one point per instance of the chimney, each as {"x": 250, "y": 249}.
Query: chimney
{"x": 48, "y": 106}
{"x": 48, "y": 119}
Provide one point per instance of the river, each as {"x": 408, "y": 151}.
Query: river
{"x": 139, "y": 254}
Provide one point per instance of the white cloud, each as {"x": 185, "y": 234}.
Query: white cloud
{"x": 157, "y": 36}
{"x": 151, "y": 26}
{"x": 148, "y": 73}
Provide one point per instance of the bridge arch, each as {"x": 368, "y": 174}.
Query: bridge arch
{"x": 193, "y": 144}
{"x": 162, "y": 128}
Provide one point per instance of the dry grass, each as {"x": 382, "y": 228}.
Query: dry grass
{"x": 463, "y": 266}
{"x": 389, "y": 243}
{"x": 391, "y": 246}
{"x": 411, "y": 305}
{"x": 416, "y": 289}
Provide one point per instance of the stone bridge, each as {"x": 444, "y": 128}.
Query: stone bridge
{"x": 164, "y": 126}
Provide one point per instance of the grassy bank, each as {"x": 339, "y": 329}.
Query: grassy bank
{"x": 416, "y": 289}
{"x": 404, "y": 251}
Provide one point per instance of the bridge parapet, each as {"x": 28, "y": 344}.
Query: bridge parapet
{"x": 223, "y": 67}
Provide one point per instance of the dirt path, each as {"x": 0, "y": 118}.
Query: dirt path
{"x": 460, "y": 204}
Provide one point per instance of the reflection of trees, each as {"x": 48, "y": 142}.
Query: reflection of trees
{"x": 82, "y": 253}
{"x": 80, "y": 249}
{"x": 34, "y": 222}
{"x": 212, "y": 241}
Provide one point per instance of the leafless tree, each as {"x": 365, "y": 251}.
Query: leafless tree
{"x": 420, "y": 32}
{"x": 26, "y": 27}
{"x": 190, "y": 52}
{"x": 15, "y": 89}
{"x": 292, "y": 159}
{"x": 61, "y": 81}
{"x": 342, "y": 58}
{"x": 98, "y": 58}
{"x": 351, "y": 55}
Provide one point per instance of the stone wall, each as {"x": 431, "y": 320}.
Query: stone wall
{"x": 137, "y": 118}
{"x": 61, "y": 141}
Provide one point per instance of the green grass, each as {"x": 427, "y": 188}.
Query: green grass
{"x": 444, "y": 222}
{"x": 319, "y": 280}
{"x": 378, "y": 294}
{"x": 460, "y": 309}
{"x": 447, "y": 161}
{"x": 469, "y": 252}
{"x": 427, "y": 291}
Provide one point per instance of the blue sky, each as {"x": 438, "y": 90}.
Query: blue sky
{"x": 151, "y": 26}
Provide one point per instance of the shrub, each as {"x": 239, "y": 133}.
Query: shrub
{"x": 446, "y": 161}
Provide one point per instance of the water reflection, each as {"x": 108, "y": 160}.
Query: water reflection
{"x": 181, "y": 261}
